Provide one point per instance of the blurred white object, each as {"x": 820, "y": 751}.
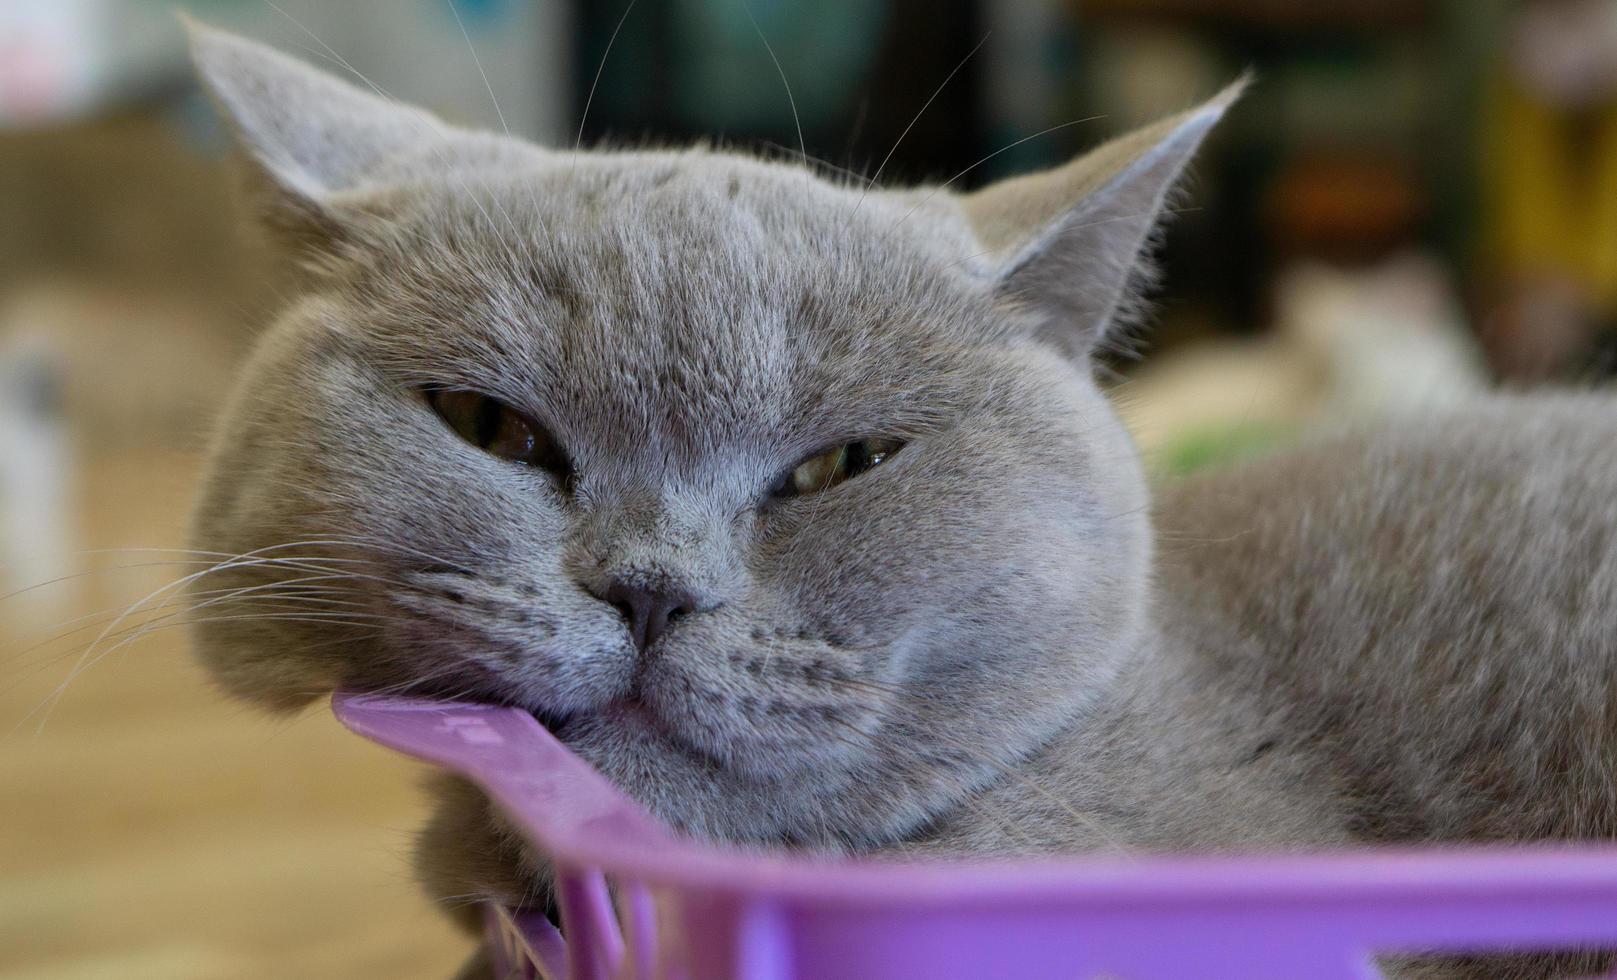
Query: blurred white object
{"x": 36, "y": 532}
{"x": 66, "y": 58}
{"x": 1566, "y": 50}
{"x": 1349, "y": 345}
{"x": 52, "y": 56}
{"x": 1390, "y": 338}
{"x": 61, "y": 58}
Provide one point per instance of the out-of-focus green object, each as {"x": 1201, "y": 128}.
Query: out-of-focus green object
{"x": 1222, "y": 445}
{"x": 724, "y": 68}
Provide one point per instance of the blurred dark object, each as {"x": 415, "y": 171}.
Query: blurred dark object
{"x": 1349, "y": 147}
{"x": 1538, "y": 329}
{"x": 1286, "y": 14}
{"x": 860, "y": 75}
{"x": 1347, "y": 210}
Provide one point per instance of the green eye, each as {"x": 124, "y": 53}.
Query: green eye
{"x": 825, "y": 470}
{"x": 500, "y": 430}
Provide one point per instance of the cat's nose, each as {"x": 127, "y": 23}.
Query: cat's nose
{"x": 649, "y": 611}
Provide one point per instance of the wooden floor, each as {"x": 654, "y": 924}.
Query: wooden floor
{"x": 150, "y": 829}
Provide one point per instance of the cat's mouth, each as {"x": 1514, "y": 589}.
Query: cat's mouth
{"x": 632, "y": 710}
{"x": 628, "y": 712}
{"x": 553, "y": 720}
{"x": 632, "y": 717}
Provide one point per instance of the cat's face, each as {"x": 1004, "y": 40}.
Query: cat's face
{"x": 685, "y": 329}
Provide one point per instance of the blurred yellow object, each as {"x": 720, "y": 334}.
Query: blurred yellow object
{"x": 1550, "y": 182}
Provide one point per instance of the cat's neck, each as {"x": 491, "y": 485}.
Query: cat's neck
{"x": 1175, "y": 757}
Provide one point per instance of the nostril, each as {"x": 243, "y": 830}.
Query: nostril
{"x": 648, "y": 611}
{"x": 625, "y": 608}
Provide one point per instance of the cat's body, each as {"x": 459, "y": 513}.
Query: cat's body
{"x": 794, "y": 508}
{"x": 1404, "y": 634}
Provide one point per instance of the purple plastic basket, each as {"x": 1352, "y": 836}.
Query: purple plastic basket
{"x": 686, "y": 911}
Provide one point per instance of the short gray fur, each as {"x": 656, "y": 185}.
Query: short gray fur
{"x": 992, "y": 643}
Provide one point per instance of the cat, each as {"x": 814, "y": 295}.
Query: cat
{"x": 793, "y": 505}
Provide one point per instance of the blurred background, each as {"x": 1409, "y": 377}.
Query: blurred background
{"x": 1417, "y": 199}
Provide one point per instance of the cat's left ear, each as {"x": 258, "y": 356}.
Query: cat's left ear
{"x": 311, "y": 137}
{"x": 1071, "y": 239}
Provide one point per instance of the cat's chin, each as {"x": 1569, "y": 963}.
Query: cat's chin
{"x": 634, "y": 714}
{"x": 626, "y": 725}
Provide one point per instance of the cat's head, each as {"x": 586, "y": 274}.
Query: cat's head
{"x": 792, "y": 504}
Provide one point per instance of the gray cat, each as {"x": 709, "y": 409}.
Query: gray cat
{"x": 793, "y": 506}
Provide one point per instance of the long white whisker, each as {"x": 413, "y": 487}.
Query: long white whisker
{"x": 1009, "y": 146}
{"x": 590, "y": 99}
{"x": 248, "y": 559}
{"x": 479, "y": 63}
{"x": 381, "y": 93}
{"x": 68, "y": 628}
{"x": 178, "y": 608}
{"x": 930, "y": 99}
{"x": 334, "y": 619}
{"x": 801, "y": 143}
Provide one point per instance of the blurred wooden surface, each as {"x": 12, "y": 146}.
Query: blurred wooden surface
{"x": 150, "y": 829}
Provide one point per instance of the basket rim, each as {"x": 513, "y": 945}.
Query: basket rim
{"x": 583, "y": 822}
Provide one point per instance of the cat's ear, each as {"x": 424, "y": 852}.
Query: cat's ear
{"x": 311, "y": 136}
{"x": 1071, "y": 239}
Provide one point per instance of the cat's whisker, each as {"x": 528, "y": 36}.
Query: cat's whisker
{"x": 184, "y": 603}
{"x": 202, "y": 556}
{"x": 934, "y": 192}
{"x": 429, "y": 143}
{"x": 478, "y": 62}
{"x": 487, "y": 85}
{"x": 274, "y": 603}
{"x": 131, "y": 610}
{"x": 589, "y": 100}
{"x": 974, "y": 255}
{"x": 876, "y": 177}
{"x": 818, "y": 162}
{"x": 386, "y": 547}
{"x": 247, "y": 559}
{"x": 792, "y": 101}
{"x": 404, "y": 687}
{"x": 105, "y": 570}
{"x": 454, "y": 902}
{"x": 49, "y": 702}
{"x": 351, "y": 620}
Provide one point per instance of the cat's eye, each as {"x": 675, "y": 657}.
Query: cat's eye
{"x": 499, "y": 429}
{"x": 825, "y": 470}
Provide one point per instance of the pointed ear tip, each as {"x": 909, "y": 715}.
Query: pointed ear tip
{"x": 208, "y": 44}
{"x": 214, "y": 50}
{"x": 197, "y": 32}
{"x": 1231, "y": 93}
{"x": 1198, "y": 121}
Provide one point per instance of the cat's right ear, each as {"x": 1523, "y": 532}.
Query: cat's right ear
{"x": 1070, "y": 241}
{"x": 312, "y": 137}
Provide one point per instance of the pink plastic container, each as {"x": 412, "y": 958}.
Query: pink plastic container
{"x": 686, "y": 911}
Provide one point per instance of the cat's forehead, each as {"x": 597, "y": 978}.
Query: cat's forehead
{"x": 682, "y": 212}
{"x": 687, "y": 293}
{"x": 714, "y": 244}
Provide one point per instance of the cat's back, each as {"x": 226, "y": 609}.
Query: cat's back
{"x": 1433, "y": 606}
